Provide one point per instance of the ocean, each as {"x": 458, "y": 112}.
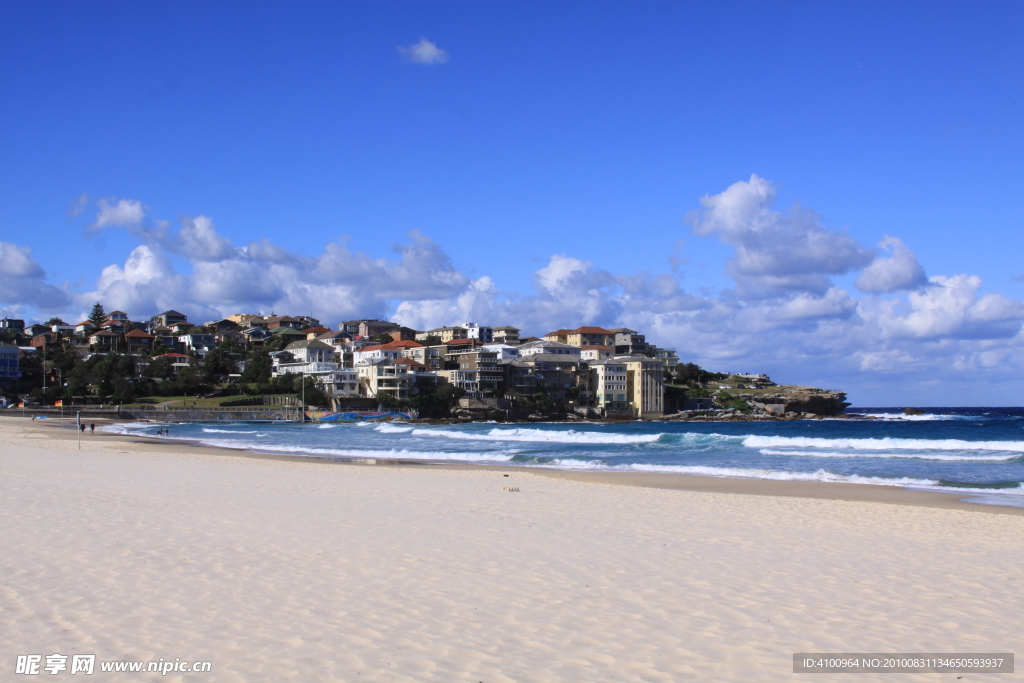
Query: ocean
{"x": 975, "y": 451}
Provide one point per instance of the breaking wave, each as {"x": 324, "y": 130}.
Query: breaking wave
{"x": 526, "y": 435}
{"x": 210, "y": 430}
{"x": 884, "y": 444}
{"x": 919, "y": 456}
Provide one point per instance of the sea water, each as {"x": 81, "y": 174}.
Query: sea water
{"x": 975, "y": 451}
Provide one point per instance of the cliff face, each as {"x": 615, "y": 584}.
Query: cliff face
{"x": 797, "y": 400}
{"x": 824, "y": 403}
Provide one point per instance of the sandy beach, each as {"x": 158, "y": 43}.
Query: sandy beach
{"x": 283, "y": 569}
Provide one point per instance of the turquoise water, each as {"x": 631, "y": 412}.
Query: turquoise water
{"x": 976, "y": 451}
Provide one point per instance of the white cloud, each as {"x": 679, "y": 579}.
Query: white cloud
{"x": 124, "y": 213}
{"x": 23, "y": 282}
{"x": 423, "y": 52}
{"x": 200, "y": 241}
{"x": 898, "y": 271}
{"x": 951, "y": 308}
{"x": 775, "y": 251}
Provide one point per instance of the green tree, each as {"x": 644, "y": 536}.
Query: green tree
{"x": 259, "y": 367}
{"x": 162, "y": 368}
{"x": 217, "y": 363}
{"x": 98, "y": 315}
{"x": 437, "y": 403}
{"x": 54, "y": 321}
{"x": 432, "y": 340}
{"x": 314, "y": 396}
{"x": 392, "y": 403}
{"x": 688, "y": 372}
{"x": 65, "y": 360}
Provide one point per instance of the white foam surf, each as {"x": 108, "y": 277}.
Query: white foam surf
{"x": 927, "y": 417}
{"x": 399, "y": 454}
{"x": 880, "y": 454}
{"x": 522, "y": 434}
{"x": 210, "y": 430}
{"x": 884, "y": 444}
{"x": 743, "y": 473}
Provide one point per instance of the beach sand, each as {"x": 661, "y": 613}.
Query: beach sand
{"x": 279, "y": 569}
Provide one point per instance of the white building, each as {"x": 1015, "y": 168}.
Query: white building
{"x": 596, "y": 352}
{"x": 200, "y": 343}
{"x": 311, "y": 351}
{"x": 333, "y": 379}
{"x": 375, "y": 352}
{"x": 545, "y": 346}
{"x": 504, "y": 351}
{"x": 474, "y": 331}
{"x": 383, "y": 376}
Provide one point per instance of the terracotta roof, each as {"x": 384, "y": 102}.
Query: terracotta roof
{"x": 410, "y": 362}
{"x": 590, "y": 330}
{"x": 376, "y": 347}
{"x": 139, "y": 334}
{"x": 465, "y": 340}
{"x": 315, "y": 330}
{"x": 404, "y": 344}
{"x": 559, "y": 333}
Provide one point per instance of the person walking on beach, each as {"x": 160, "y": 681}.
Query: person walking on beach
{"x": 92, "y": 427}
{"x": 81, "y": 427}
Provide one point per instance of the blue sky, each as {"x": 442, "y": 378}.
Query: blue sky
{"x": 543, "y": 165}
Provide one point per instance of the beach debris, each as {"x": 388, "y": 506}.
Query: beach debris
{"x": 505, "y": 475}
{"x": 511, "y": 489}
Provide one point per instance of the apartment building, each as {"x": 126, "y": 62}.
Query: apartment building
{"x": 383, "y": 376}
{"x": 332, "y": 379}
{"x": 506, "y": 334}
{"x": 445, "y": 334}
{"x": 311, "y": 351}
{"x": 593, "y": 352}
{"x": 645, "y": 386}
{"x": 563, "y": 377}
{"x": 431, "y": 357}
{"x": 610, "y": 385}
{"x": 9, "y": 355}
{"x": 375, "y": 328}
{"x": 630, "y": 343}
{"x": 583, "y": 336}
{"x": 477, "y": 371}
{"x": 474, "y": 331}
{"x": 548, "y": 347}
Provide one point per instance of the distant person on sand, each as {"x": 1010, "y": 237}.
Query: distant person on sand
{"x": 92, "y": 427}
{"x": 82, "y": 427}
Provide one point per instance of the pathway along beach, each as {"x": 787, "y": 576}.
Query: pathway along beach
{"x": 284, "y": 569}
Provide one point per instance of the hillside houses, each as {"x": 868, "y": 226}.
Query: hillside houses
{"x": 612, "y": 371}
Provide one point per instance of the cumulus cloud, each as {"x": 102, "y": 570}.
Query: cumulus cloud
{"x": 423, "y": 52}
{"x": 200, "y": 241}
{"x": 774, "y": 250}
{"x": 23, "y": 282}
{"x": 123, "y": 213}
{"x": 226, "y": 279}
{"x": 897, "y": 271}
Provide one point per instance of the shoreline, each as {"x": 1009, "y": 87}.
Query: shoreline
{"x": 817, "y": 490}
